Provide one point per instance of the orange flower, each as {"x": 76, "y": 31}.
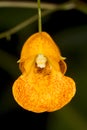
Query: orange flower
{"x": 42, "y": 86}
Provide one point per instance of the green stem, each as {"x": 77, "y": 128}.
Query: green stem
{"x": 39, "y": 17}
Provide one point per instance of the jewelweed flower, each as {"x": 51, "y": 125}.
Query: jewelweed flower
{"x": 42, "y": 85}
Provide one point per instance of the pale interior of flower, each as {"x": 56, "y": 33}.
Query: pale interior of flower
{"x": 41, "y": 61}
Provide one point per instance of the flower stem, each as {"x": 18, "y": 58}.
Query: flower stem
{"x": 39, "y": 17}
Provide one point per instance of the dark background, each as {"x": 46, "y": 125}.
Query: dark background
{"x": 68, "y": 28}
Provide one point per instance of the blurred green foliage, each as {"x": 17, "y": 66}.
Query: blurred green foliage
{"x": 68, "y": 28}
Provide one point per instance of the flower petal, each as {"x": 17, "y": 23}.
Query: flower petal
{"x": 43, "y": 90}
{"x": 39, "y": 43}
